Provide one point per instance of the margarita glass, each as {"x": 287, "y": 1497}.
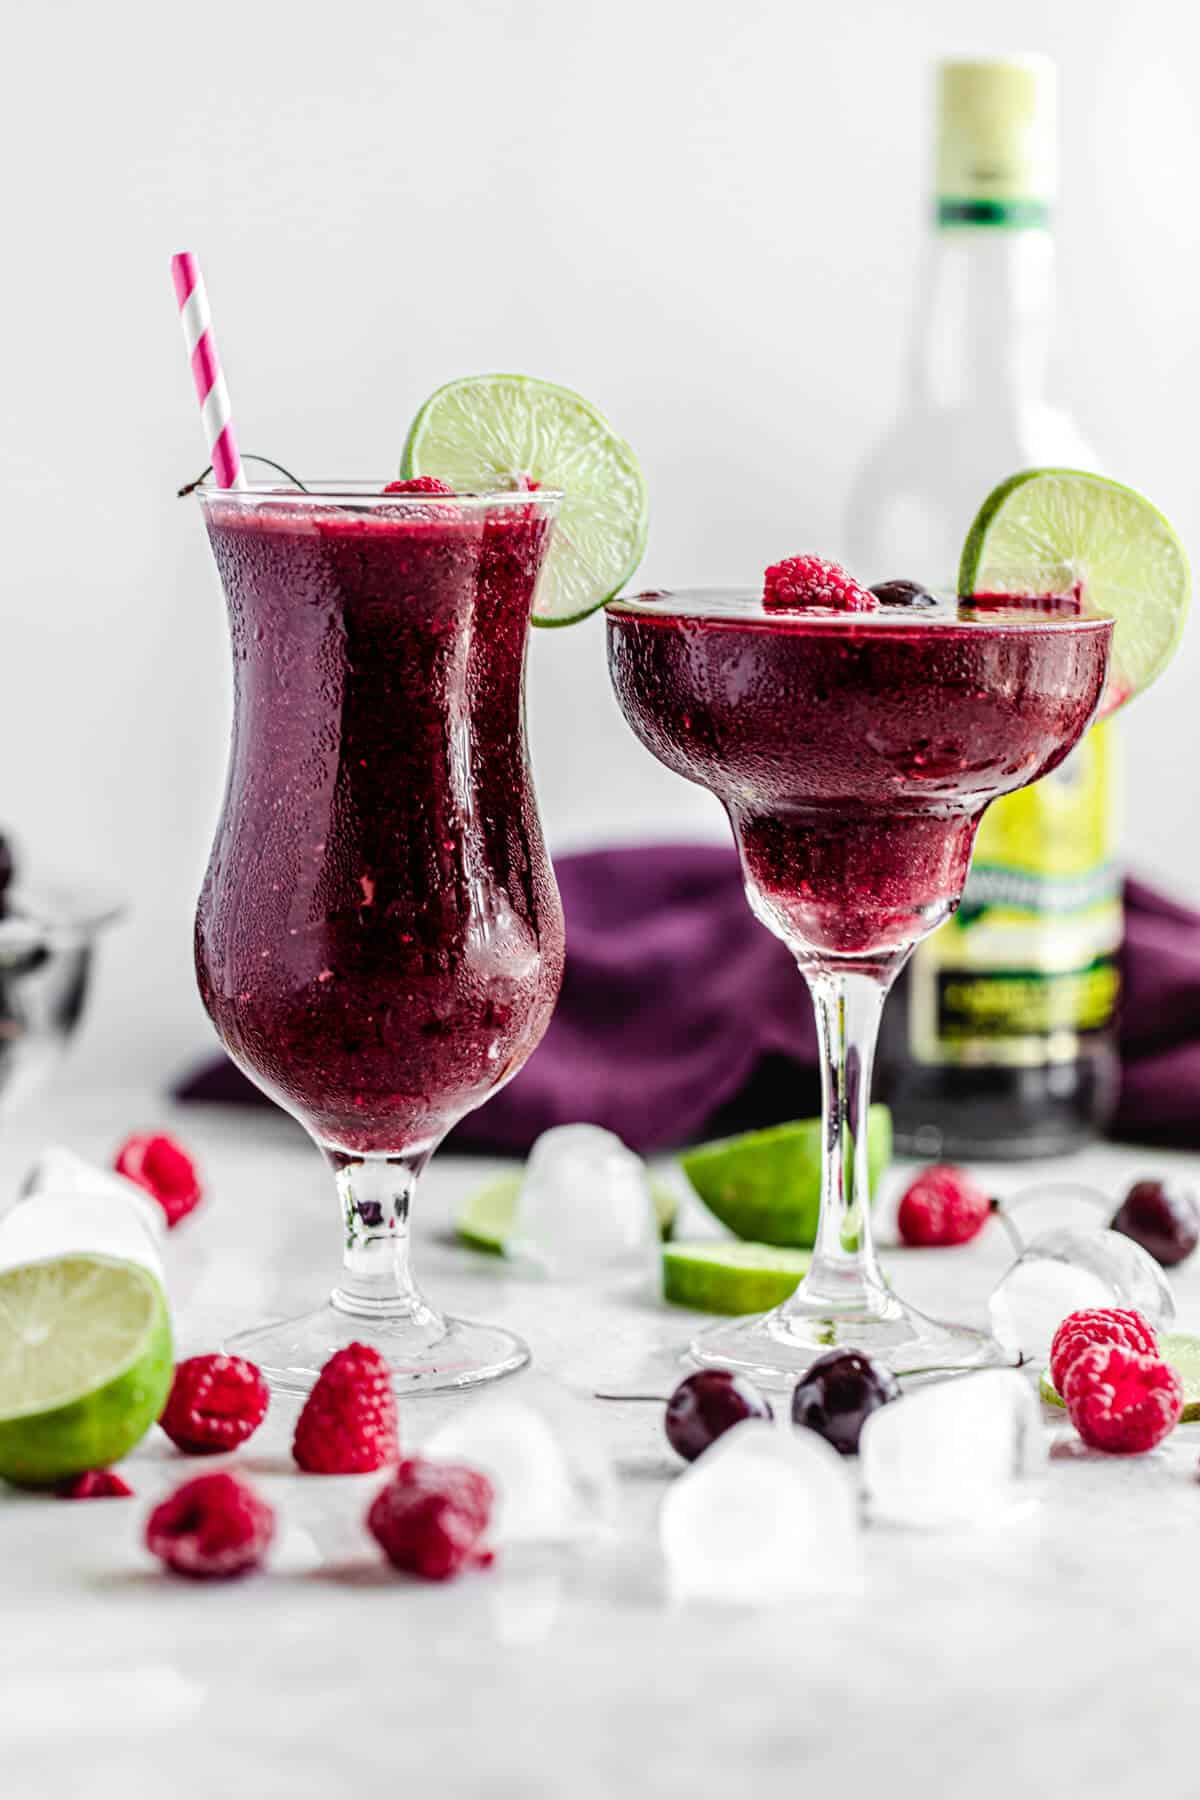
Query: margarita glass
{"x": 379, "y": 940}
{"x": 855, "y": 754}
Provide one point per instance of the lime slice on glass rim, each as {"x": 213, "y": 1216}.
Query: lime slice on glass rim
{"x": 1179, "y": 1349}
{"x": 86, "y": 1364}
{"x": 1063, "y": 531}
{"x": 766, "y": 1185}
{"x": 504, "y": 432}
{"x": 486, "y": 1219}
{"x": 716, "y": 1276}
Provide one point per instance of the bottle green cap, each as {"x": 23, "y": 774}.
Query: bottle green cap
{"x": 996, "y": 145}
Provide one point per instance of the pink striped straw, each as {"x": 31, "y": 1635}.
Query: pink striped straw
{"x": 211, "y": 391}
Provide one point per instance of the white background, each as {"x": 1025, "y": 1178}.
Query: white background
{"x": 704, "y": 216}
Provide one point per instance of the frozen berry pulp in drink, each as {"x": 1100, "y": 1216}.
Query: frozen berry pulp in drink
{"x": 854, "y": 754}
{"x": 379, "y": 940}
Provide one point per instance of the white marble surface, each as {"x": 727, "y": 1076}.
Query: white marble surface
{"x": 1052, "y": 1657}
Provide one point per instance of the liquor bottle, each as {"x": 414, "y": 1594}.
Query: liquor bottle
{"x": 1002, "y": 1035}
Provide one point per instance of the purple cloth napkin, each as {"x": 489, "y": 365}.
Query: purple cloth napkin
{"x": 1160, "y": 1021}
{"x": 681, "y": 1017}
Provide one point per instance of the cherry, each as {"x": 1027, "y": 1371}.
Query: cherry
{"x": 838, "y": 1393}
{"x": 707, "y": 1404}
{"x": 1163, "y": 1218}
{"x": 902, "y": 593}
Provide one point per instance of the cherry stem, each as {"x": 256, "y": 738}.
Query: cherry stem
{"x": 1019, "y": 1362}
{"x": 658, "y": 1399}
{"x": 191, "y": 486}
{"x": 1014, "y": 1235}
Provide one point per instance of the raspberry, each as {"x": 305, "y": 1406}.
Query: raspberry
{"x": 804, "y": 581}
{"x": 164, "y": 1168}
{"x": 1097, "y": 1325}
{"x": 942, "y": 1206}
{"x": 215, "y": 1404}
{"x": 211, "y": 1528}
{"x": 348, "y": 1425}
{"x": 94, "y": 1484}
{"x": 428, "y": 1521}
{"x": 1120, "y": 1401}
{"x": 418, "y": 484}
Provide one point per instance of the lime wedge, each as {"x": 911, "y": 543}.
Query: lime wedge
{"x": 1177, "y": 1348}
{"x": 486, "y": 1219}
{"x": 1057, "y": 531}
{"x": 489, "y": 432}
{"x": 766, "y": 1185}
{"x": 85, "y": 1365}
{"x": 730, "y": 1277}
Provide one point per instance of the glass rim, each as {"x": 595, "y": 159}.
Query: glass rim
{"x": 368, "y": 495}
{"x": 743, "y": 605}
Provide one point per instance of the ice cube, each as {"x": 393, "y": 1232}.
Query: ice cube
{"x": 60, "y": 1171}
{"x": 552, "y": 1480}
{"x": 1028, "y": 1305}
{"x": 1054, "y": 1205}
{"x": 1063, "y": 1270}
{"x": 959, "y": 1452}
{"x": 66, "y": 1205}
{"x": 585, "y": 1208}
{"x": 763, "y": 1516}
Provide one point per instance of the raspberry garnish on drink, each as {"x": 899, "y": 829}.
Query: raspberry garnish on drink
{"x": 801, "y": 583}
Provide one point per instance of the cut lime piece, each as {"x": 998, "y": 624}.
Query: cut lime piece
{"x": 766, "y": 1185}
{"x": 85, "y": 1365}
{"x": 730, "y": 1277}
{"x": 1179, "y": 1349}
{"x": 1057, "y": 531}
{"x": 499, "y": 432}
{"x": 486, "y": 1220}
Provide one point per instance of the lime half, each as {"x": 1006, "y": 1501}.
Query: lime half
{"x": 489, "y": 432}
{"x": 85, "y": 1365}
{"x": 1177, "y": 1348}
{"x": 1060, "y": 531}
{"x": 766, "y": 1185}
{"x": 720, "y": 1277}
{"x": 486, "y": 1219}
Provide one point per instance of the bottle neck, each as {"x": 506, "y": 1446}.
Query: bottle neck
{"x": 984, "y": 318}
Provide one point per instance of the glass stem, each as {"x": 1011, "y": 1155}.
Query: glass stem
{"x": 374, "y": 1195}
{"x": 844, "y": 1273}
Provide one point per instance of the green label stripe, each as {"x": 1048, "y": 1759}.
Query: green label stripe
{"x": 1025, "y": 892}
{"x": 1013, "y": 215}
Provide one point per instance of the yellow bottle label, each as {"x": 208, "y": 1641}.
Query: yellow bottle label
{"x": 1028, "y": 965}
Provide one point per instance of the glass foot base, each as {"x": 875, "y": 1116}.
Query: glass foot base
{"x": 429, "y": 1355}
{"x": 776, "y": 1348}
